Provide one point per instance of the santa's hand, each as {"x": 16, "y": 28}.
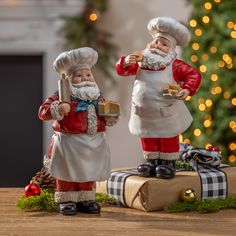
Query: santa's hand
{"x": 182, "y": 94}
{"x": 111, "y": 120}
{"x": 129, "y": 60}
{"x": 64, "y": 108}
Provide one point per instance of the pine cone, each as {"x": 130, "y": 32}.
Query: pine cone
{"x": 44, "y": 180}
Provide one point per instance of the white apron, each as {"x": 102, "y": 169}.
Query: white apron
{"x": 80, "y": 157}
{"x": 152, "y": 114}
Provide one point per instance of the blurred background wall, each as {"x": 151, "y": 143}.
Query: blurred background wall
{"x": 30, "y": 28}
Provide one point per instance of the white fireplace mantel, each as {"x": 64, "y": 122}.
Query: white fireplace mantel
{"x": 31, "y": 27}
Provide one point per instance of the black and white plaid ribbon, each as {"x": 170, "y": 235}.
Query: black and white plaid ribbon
{"x": 116, "y": 184}
{"x": 206, "y": 163}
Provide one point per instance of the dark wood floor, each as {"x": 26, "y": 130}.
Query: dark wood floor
{"x": 112, "y": 221}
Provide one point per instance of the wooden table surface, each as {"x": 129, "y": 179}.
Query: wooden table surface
{"x": 112, "y": 221}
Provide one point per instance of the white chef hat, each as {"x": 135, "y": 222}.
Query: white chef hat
{"x": 80, "y": 58}
{"x": 170, "y": 29}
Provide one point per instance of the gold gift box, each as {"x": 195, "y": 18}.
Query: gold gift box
{"x": 108, "y": 108}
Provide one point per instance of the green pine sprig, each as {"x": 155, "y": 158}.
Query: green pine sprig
{"x": 45, "y": 201}
{"x": 203, "y": 206}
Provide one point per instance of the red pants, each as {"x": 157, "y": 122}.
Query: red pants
{"x": 64, "y": 186}
{"x": 166, "y": 145}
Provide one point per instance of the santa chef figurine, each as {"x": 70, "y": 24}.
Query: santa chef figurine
{"x": 78, "y": 154}
{"x": 156, "y": 118}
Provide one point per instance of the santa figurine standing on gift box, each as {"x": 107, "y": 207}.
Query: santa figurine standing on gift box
{"x": 162, "y": 82}
{"x": 78, "y": 154}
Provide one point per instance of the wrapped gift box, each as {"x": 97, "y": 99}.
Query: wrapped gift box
{"x": 151, "y": 194}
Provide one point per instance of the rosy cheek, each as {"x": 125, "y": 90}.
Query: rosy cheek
{"x": 76, "y": 80}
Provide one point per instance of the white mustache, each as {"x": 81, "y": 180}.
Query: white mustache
{"x": 85, "y": 83}
{"x": 157, "y": 51}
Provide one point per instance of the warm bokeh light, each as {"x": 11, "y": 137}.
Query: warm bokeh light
{"x": 230, "y": 24}
{"x": 208, "y": 145}
{"x": 213, "y": 91}
{"x": 206, "y": 19}
{"x": 217, "y": 1}
{"x": 218, "y": 89}
{"x": 208, "y": 103}
{"x": 93, "y": 16}
{"x": 221, "y": 63}
{"x": 202, "y": 107}
{"x": 232, "y": 124}
{"x": 181, "y": 138}
{"x": 195, "y": 46}
{"x": 233, "y": 101}
{"x": 197, "y": 132}
{"x": 226, "y": 95}
{"x": 232, "y": 158}
{"x": 214, "y": 77}
{"x": 232, "y": 146}
{"x": 201, "y": 100}
{"x": 205, "y": 57}
{"x": 187, "y": 140}
{"x": 227, "y": 58}
{"x": 213, "y": 49}
{"x": 193, "y": 23}
{"x": 207, "y": 123}
{"x": 203, "y": 68}
{"x": 229, "y": 66}
{"x": 198, "y": 32}
{"x": 188, "y": 98}
{"x": 233, "y": 34}
{"x": 194, "y": 58}
{"x": 208, "y": 6}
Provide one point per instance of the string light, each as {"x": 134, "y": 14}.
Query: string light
{"x": 230, "y": 24}
{"x": 233, "y": 101}
{"x": 233, "y": 34}
{"x": 198, "y": 32}
{"x": 93, "y": 16}
{"x": 208, "y": 6}
{"x": 181, "y": 138}
{"x": 232, "y": 124}
{"x": 205, "y": 57}
{"x": 229, "y": 66}
{"x": 213, "y": 49}
{"x": 201, "y": 100}
{"x": 208, "y": 145}
{"x": 214, "y": 77}
{"x": 205, "y": 19}
{"x": 194, "y": 58}
{"x": 217, "y": 1}
{"x": 226, "y": 95}
{"x": 187, "y": 140}
{"x": 227, "y": 58}
{"x": 232, "y": 158}
{"x": 213, "y": 91}
{"x": 202, "y": 107}
{"x": 195, "y": 46}
{"x": 188, "y": 98}
{"x": 208, "y": 103}
{"x": 234, "y": 129}
{"x": 197, "y": 132}
{"x": 232, "y": 146}
{"x": 193, "y": 23}
{"x": 221, "y": 63}
{"x": 203, "y": 68}
{"x": 207, "y": 123}
{"x": 218, "y": 89}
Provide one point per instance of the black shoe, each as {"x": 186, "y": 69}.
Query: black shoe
{"x": 68, "y": 208}
{"x": 88, "y": 207}
{"x": 166, "y": 170}
{"x": 148, "y": 169}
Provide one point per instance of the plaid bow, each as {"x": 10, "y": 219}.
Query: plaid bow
{"x": 206, "y": 163}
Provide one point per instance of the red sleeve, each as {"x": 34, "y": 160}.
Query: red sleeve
{"x": 127, "y": 71}
{"x": 44, "y": 110}
{"x": 187, "y": 74}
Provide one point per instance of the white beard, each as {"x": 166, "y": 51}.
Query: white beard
{"x": 85, "y": 91}
{"x": 155, "y": 59}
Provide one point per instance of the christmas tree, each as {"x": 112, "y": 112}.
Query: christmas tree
{"x": 212, "y": 51}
